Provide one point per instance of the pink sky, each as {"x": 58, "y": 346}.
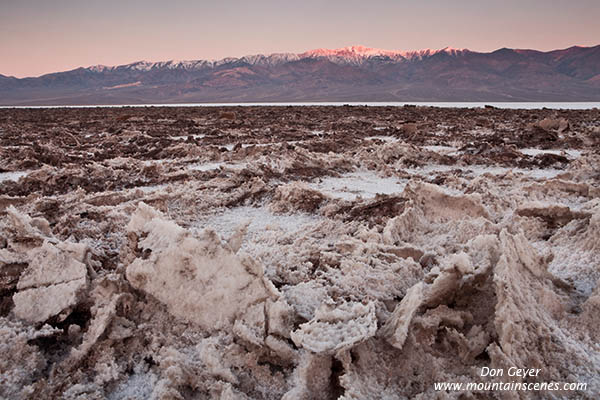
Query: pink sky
{"x": 39, "y": 36}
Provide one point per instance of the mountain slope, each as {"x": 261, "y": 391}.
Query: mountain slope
{"x": 349, "y": 74}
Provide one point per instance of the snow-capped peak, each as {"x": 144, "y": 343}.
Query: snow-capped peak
{"x": 350, "y": 50}
{"x": 100, "y": 68}
{"x": 354, "y": 53}
{"x": 344, "y": 55}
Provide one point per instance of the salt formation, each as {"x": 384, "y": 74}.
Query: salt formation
{"x": 329, "y": 266}
{"x": 56, "y": 276}
{"x": 199, "y": 280}
{"x": 337, "y": 327}
{"x": 50, "y": 286}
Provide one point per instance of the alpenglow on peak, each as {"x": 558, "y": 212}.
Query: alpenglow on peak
{"x": 345, "y": 55}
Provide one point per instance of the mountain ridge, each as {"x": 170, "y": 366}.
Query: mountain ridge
{"x": 357, "y": 51}
{"x": 353, "y": 73}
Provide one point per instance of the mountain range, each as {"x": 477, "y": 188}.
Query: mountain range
{"x": 354, "y": 73}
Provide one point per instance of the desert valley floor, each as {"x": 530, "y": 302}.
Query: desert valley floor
{"x": 297, "y": 252}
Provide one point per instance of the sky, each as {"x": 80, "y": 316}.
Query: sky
{"x": 44, "y": 36}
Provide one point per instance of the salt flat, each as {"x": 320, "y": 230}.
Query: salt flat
{"x": 295, "y": 252}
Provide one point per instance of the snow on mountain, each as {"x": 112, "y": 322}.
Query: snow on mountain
{"x": 270, "y": 60}
{"x": 352, "y": 55}
{"x": 100, "y": 68}
{"x": 350, "y": 52}
{"x": 424, "y": 53}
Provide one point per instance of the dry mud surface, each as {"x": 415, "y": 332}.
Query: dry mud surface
{"x": 297, "y": 252}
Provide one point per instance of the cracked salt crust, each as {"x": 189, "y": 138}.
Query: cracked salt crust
{"x": 259, "y": 219}
{"x": 13, "y": 176}
{"x": 365, "y": 184}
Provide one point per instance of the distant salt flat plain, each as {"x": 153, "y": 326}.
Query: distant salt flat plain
{"x": 506, "y": 105}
